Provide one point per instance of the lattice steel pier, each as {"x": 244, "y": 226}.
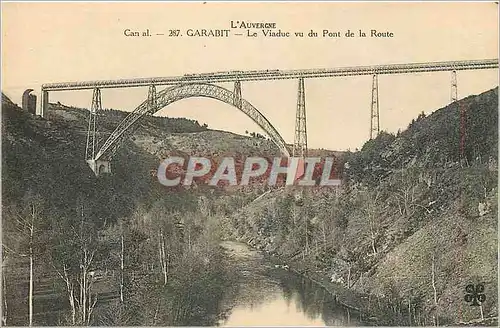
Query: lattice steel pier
{"x": 204, "y": 85}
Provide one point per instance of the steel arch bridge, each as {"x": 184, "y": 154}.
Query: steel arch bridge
{"x": 183, "y": 91}
{"x": 205, "y": 85}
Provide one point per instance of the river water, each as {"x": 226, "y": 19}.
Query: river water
{"x": 261, "y": 294}
{"x": 272, "y": 296}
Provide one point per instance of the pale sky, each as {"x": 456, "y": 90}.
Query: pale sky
{"x": 56, "y": 42}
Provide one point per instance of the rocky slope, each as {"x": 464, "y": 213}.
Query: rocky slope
{"x": 413, "y": 224}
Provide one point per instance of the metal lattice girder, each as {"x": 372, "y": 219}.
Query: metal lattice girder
{"x": 237, "y": 94}
{"x": 454, "y": 89}
{"x": 151, "y": 98}
{"x": 375, "y": 118}
{"x": 276, "y": 74}
{"x": 182, "y": 91}
{"x": 300, "y": 141}
{"x": 92, "y": 134}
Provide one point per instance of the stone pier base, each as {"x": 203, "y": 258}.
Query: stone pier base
{"x": 99, "y": 167}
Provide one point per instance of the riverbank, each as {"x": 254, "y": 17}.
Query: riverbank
{"x": 370, "y": 309}
{"x": 271, "y": 295}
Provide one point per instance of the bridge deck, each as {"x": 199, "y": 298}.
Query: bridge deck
{"x": 277, "y": 74}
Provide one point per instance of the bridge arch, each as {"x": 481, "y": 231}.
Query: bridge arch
{"x": 101, "y": 169}
{"x": 183, "y": 91}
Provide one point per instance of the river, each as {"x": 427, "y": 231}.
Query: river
{"x": 261, "y": 293}
{"x": 273, "y": 296}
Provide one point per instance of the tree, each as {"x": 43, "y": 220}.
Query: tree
{"x": 164, "y": 257}
{"x": 122, "y": 263}
{"x": 406, "y": 194}
{"x": 372, "y": 212}
{"x": 4, "y": 294}
{"x": 433, "y": 283}
{"x": 26, "y": 220}
{"x": 76, "y": 242}
{"x": 350, "y": 258}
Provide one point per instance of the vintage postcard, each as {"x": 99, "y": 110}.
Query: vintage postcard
{"x": 249, "y": 164}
